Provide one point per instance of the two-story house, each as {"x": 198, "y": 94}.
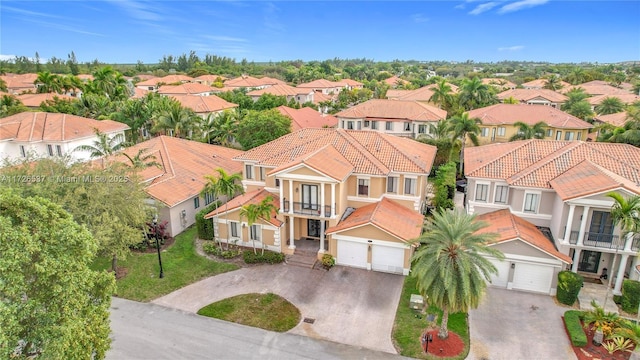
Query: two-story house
{"x": 534, "y": 97}
{"x": 204, "y": 105}
{"x": 560, "y": 187}
{"x": 299, "y": 95}
{"x": 154, "y": 83}
{"x": 393, "y": 117}
{"x": 357, "y": 195}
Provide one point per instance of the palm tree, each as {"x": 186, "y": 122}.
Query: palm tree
{"x": 441, "y": 129}
{"x": 581, "y": 110}
{"x": 510, "y": 100}
{"x": 178, "y": 120}
{"x": 262, "y": 210}
{"x": 441, "y": 94}
{"x": 626, "y": 213}
{"x": 48, "y": 82}
{"x": 142, "y": 160}
{"x": 226, "y": 185}
{"x": 525, "y": 131}
{"x": 450, "y": 266}
{"x": 462, "y": 127}
{"x": 575, "y": 95}
{"x": 474, "y": 94}
{"x": 610, "y": 105}
{"x": 225, "y": 127}
{"x": 553, "y": 83}
{"x": 577, "y": 76}
{"x": 104, "y": 145}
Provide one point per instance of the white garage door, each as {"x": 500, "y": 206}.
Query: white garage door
{"x": 533, "y": 277}
{"x": 501, "y": 278}
{"x": 387, "y": 259}
{"x": 352, "y": 254}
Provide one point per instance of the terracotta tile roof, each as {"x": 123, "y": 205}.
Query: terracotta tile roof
{"x": 326, "y": 160}
{"x": 394, "y": 109}
{"x": 252, "y": 197}
{"x": 352, "y": 83}
{"x": 204, "y": 104}
{"x": 500, "y": 114}
{"x": 499, "y": 83}
{"x": 250, "y": 81}
{"x": 511, "y": 227}
{"x": 145, "y": 76}
{"x": 319, "y": 97}
{"x": 281, "y": 90}
{"x": 571, "y": 168}
{"x": 395, "y": 94}
{"x": 307, "y": 117}
{"x": 42, "y": 126}
{"x": 617, "y": 119}
{"x": 321, "y": 84}
{"x": 139, "y": 93}
{"x": 540, "y": 83}
{"x": 597, "y": 87}
{"x": 184, "y": 164}
{"x": 185, "y": 89}
{"x": 422, "y": 94}
{"x": 525, "y": 95}
{"x": 369, "y": 152}
{"x": 387, "y": 215}
{"x": 211, "y": 78}
{"x": 394, "y": 81}
{"x": 625, "y": 98}
{"x": 169, "y": 79}
{"x": 34, "y": 100}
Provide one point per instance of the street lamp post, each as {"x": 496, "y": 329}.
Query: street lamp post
{"x": 155, "y": 233}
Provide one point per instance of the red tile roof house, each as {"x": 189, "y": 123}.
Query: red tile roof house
{"x": 498, "y": 122}
{"x": 299, "y": 95}
{"x": 204, "y": 105}
{"x": 395, "y": 117}
{"x": 20, "y": 83}
{"x": 597, "y": 87}
{"x": 324, "y": 86}
{"x": 535, "y": 97}
{"x": 250, "y": 82}
{"x": 175, "y": 186}
{"x": 186, "y": 89}
{"x": 44, "y": 134}
{"x": 541, "y": 83}
{"x": 617, "y": 119}
{"x": 560, "y": 186}
{"x": 33, "y": 101}
{"x": 422, "y": 94}
{"x": 357, "y": 195}
{"x": 307, "y": 117}
{"x": 154, "y": 83}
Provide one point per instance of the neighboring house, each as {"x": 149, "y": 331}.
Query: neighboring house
{"x": 250, "y": 82}
{"x": 176, "y": 184}
{"x": 395, "y": 117}
{"x": 322, "y": 101}
{"x": 307, "y": 117}
{"x": 186, "y": 89}
{"x": 357, "y": 194}
{"x": 535, "y": 97}
{"x": 617, "y": 119}
{"x": 597, "y": 87}
{"x": 500, "y": 84}
{"x": 498, "y": 122}
{"x": 209, "y": 79}
{"x": 561, "y": 187}
{"x": 299, "y": 95}
{"x": 20, "y": 83}
{"x": 625, "y": 98}
{"x": 541, "y": 83}
{"x": 42, "y": 134}
{"x": 395, "y": 81}
{"x": 33, "y": 101}
{"x": 422, "y": 94}
{"x": 154, "y": 83}
{"x": 352, "y": 84}
{"x": 204, "y": 105}
{"x": 324, "y": 86}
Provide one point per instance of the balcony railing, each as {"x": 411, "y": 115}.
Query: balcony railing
{"x": 307, "y": 209}
{"x": 606, "y": 241}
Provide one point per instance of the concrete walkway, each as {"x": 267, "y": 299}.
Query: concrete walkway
{"x": 597, "y": 292}
{"x": 349, "y": 306}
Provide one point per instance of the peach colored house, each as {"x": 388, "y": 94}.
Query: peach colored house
{"x": 204, "y": 105}
{"x": 535, "y": 97}
{"x": 194, "y": 89}
{"x": 299, "y": 95}
{"x": 357, "y": 195}
{"x": 541, "y": 83}
{"x": 307, "y": 117}
{"x": 560, "y": 187}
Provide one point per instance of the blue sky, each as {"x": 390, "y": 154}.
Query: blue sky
{"x": 125, "y": 31}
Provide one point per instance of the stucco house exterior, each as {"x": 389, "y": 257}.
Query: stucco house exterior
{"x": 534, "y": 97}
{"x": 358, "y": 195}
{"x": 560, "y": 187}
{"x": 299, "y": 95}
{"x": 204, "y": 105}
{"x": 307, "y": 117}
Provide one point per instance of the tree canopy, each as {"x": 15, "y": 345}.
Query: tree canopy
{"x": 260, "y": 127}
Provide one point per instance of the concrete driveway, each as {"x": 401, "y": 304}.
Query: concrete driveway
{"x": 350, "y": 306}
{"x": 518, "y": 325}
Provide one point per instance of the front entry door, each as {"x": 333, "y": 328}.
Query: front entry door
{"x": 589, "y": 261}
{"x": 313, "y": 227}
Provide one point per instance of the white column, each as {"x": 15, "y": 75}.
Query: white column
{"x": 291, "y": 244}
{"x": 567, "y": 231}
{"x": 576, "y": 259}
{"x": 628, "y": 242}
{"x": 620, "y": 274}
{"x": 322, "y": 200}
{"x": 281, "y": 194}
{"x": 583, "y": 225}
{"x": 321, "y": 236}
{"x": 291, "y": 197}
{"x": 333, "y": 200}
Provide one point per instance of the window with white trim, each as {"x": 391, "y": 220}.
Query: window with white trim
{"x": 407, "y": 126}
{"x": 208, "y": 198}
{"x": 349, "y": 125}
{"x": 579, "y": 137}
{"x": 59, "y": 150}
{"x": 233, "y": 229}
{"x": 196, "y": 202}
{"x": 367, "y": 123}
{"x": 50, "y": 149}
{"x": 388, "y": 125}
{"x": 531, "y": 201}
{"x": 263, "y": 173}
{"x": 568, "y": 135}
{"x": 363, "y": 187}
{"x": 482, "y": 192}
{"x": 558, "y": 135}
{"x": 254, "y": 232}
{"x": 392, "y": 184}
{"x": 502, "y": 191}
{"x": 484, "y": 132}
{"x": 248, "y": 169}
{"x": 374, "y": 125}
{"x": 502, "y": 131}
{"x": 409, "y": 186}
{"x": 422, "y": 129}
{"x": 549, "y": 132}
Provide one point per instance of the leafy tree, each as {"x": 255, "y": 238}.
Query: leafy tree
{"x": 260, "y": 127}
{"x": 238, "y": 96}
{"x": 450, "y": 266}
{"x": 104, "y": 145}
{"x": 10, "y": 105}
{"x": 223, "y": 184}
{"x": 610, "y": 105}
{"x": 526, "y": 131}
{"x": 141, "y": 160}
{"x": 576, "y": 95}
{"x": 254, "y": 212}
{"x": 441, "y": 94}
{"x": 53, "y": 305}
{"x": 268, "y": 101}
{"x": 474, "y": 94}
{"x": 177, "y": 121}
{"x": 48, "y": 83}
{"x": 581, "y": 110}
{"x": 445, "y": 184}
{"x": 462, "y": 127}
{"x": 577, "y": 76}
{"x": 553, "y": 83}
{"x": 221, "y": 128}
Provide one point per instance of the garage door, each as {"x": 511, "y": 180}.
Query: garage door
{"x": 502, "y": 277}
{"x": 352, "y": 254}
{"x": 533, "y": 277}
{"x": 387, "y": 259}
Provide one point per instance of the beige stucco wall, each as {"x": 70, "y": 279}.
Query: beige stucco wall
{"x": 511, "y": 130}
{"x": 517, "y": 247}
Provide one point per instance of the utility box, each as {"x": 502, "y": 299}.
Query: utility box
{"x": 416, "y": 302}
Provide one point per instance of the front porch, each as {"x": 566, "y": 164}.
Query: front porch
{"x": 598, "y": 292}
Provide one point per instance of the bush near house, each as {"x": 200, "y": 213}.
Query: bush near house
{"x": 630, "y": 296}
{"x": 569, "y": 285}
{"x": 268, "y": 257}
{"x": 214, "y": 249}
{"x": 205, "y": 226}
{"x": 445, "y": 186}
{"x": 574, "y": 328}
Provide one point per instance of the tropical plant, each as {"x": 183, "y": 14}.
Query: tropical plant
{"x": 223, "y": 184}
{"x": 610, "y": 105}
{"x": 629, "y": 330}
{"x": 581, "y": 110}
{"x": 10, "y": 105}
{"x": 526, "y": 131}
{"x": 601, "y": 320}
{"x": 177, "y": 121}
{"x": 474, "y": 94}
{"x": 575, "y": 95}
{"x": 510, "y": 100}
{"x": 450, "y": 265}
{"x": 104, "y": 145}
{"x": 254, "y": 212}
{"x": 441, "y": 94}
{"x": 48, "y": 83}
{"x": 553, "y": 82}
{"x": 462, "y": 127}
{"x": 617, "y": 343}
{"x": 141, "y": 160}
{"x": 626, "y": 213}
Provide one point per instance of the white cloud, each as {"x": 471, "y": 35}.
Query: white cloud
{"x": 138, "y": 9}
{"x": 28, "y": 12}
{"x": 419, "y": 18}
{"x": 519, "y": 5}
{"x": 7, "y": 57}
{"x": 511, "y": 48}
{"x": 271, "y": 20}
{"x": 224, "y": 38}
{"x": 483, "y": 7}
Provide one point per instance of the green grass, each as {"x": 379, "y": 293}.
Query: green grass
{"x": 182, "y": 266}
{"x": 408, "y": 328}
{"x": 265, "y": 311}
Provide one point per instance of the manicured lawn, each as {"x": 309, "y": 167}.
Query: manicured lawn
{"x": 408, "y": 328}
{"x": 182, "y": 266}
{"x": 265, "y": 311}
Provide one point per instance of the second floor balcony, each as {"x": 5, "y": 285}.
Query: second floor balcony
{"x": 605, "y": 241}
{"x": 307, "y": 209}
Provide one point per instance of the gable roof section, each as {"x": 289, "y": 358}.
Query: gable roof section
{"x": 617, "y": 119}
{"x": 34, "y": 100}
{"x": 530, "y": 94}
{"x": 185, "y": 89}
{"x": 508, "y": 114}
{"x": 587, "y": 178}
{"x": 511, "y": 227}
{"x": 326, "y": 160}
{"x": 169, "y": 79}
{"x": 387, "y": 215}
{"x": 281, "y": 90}
{"x": 252, "y": 197}
{"x": 393, "y": 109}
{"x": 204, "y": 104}
{"x": 307, "y": 117}
{"x": 597, "y": 88}
{"x": 369, "y": 152}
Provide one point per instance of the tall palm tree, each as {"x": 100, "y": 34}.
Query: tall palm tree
{"x": 462, "y": 127}
{"x": 474, "y": 94}
{"x": 575, "y": 95}
{"x": 581, "y": 110}
{"x": 441, "y": 94}
{"x": 450, "y": 266}
{"x": 440, "y": 130}
{"x": 176, "y": 120}
{"x": 104, "y": 145}
{"x": 223, "y": 184}
{"x": 610, "y": 105}
{"x": 262, "y": 210}
{"x": 626, "y": 213}
{"x": 48, "y": 83}
{"x": 141, "y": 160}
{"x": 553, "y": 82}
{"x": 526, "y": 131}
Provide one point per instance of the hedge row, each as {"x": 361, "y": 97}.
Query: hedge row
{"x": 268, "y": 257}
{"x": 630, "y": 296}
{"x": 574, "y": 328}
{"x": 205, "y": 227}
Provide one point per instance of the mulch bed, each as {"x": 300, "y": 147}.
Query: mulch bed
{"x": 592, "y": 352}
{"x": 451, "y": 346}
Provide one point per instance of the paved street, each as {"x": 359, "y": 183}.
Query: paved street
{"x": 148, "y": 331}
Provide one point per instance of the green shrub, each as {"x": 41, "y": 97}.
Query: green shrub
{"x": 214, "y": 249}
{"x": 205, "y": 226}
{"x": 445, "y": 186}
{"x": 630, "y": 296}
{"x": 617, "y": 299}
{"x": 569, "y": 285}
{"x": 268, "y": 257}
{"x": 328, "y": 261}
{"x": 574, "y": 328}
